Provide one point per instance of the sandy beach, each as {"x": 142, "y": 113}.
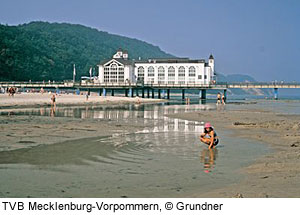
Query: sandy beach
{"x": 277, "y": 174}
{"x": 44, "y": 100}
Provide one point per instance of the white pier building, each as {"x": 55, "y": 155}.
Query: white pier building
{"x": 121, "y": 69}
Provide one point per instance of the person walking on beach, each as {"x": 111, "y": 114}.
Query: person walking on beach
{"x": 223, "y": 99}
{"x": 219, "y": 98}
{"x": 209, "y": 136}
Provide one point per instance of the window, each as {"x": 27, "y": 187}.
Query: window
{"x": 161, "y": 72}
{"x": 150, "y": 81}
{"x": 171, "y": 72}
{"x": 121, "y": 74}
{"x": 106, "y": 74}
{"x": 161, "y": 75}
{"x": 192, "y": 71}
{"x": 205, "y": 76}
{"x": 141, "y": 73}
{"x": 199, "y": 76}
{"x": 151, "y": 71}
{"x": 181, "y": 73}
{"x": 113, "y": 73}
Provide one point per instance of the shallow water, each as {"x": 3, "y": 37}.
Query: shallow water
{"x": 165, "y": 159}
{"x": 282, "y": 106}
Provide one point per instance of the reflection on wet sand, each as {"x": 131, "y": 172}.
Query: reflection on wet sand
{"x": 131, "y": 111}
{"x": 208, "y": 158}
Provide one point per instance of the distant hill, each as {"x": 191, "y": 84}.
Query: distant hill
{"x": 47, "y": 51}
{"x": 242, "y": 78}
{"x": 235, "y": 78}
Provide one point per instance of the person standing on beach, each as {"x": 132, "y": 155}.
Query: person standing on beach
{"x": 209, "y": 136}
{"x": 219, "y": 98}
{"x": 53, "y": 104}
{"x": 223, "y": 99}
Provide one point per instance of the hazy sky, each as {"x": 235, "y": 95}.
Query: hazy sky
{"x": 255, "y": 37}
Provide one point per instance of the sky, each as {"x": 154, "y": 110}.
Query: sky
{"x": 259, "y": 38}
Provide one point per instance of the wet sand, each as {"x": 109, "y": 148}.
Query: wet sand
{"x": 27, "y": 131}
{"x": 276, "y": 174}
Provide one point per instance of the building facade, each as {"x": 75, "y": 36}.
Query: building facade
{"x": 120, "y": 69}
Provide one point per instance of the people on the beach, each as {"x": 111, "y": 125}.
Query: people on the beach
{"x": 219, "y": 98}
{"x": 223, "y": 99}
{"x": 53, "y": 104}
{"x": 138, "y": 100}
{"x": 209, "y": 136}
{"x": 12, "y": 91}
{"x": 187, "y": 100}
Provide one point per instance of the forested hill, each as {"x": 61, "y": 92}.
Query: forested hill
{"x": 47, "y": 51}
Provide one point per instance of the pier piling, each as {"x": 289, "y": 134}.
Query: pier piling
{"x": 163, "y": 94}
{"x": 143, "y": 93}
{"x": 276, "y": 93}
{"x": 202, "y": 94}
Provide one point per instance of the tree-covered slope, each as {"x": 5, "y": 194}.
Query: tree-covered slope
{"x": 47, "y": 51}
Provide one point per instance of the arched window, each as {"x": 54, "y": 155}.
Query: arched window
{"x": 181, "y": 72}
{"x": 141, "y": 73}
{"x": 161, "y": 72}
{"x": 113, "y": 72}
{"x": 161, "y": 75}
{"x": 192, "y": 71}
{"x": 171, "y": 72}
{"x": 151, "y": 71}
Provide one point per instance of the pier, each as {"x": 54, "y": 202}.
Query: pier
{"x": 148, "y": 90}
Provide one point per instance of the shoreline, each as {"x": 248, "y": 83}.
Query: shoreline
{"x": 37, "y": 100}
{"x": 276, "y": 174}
